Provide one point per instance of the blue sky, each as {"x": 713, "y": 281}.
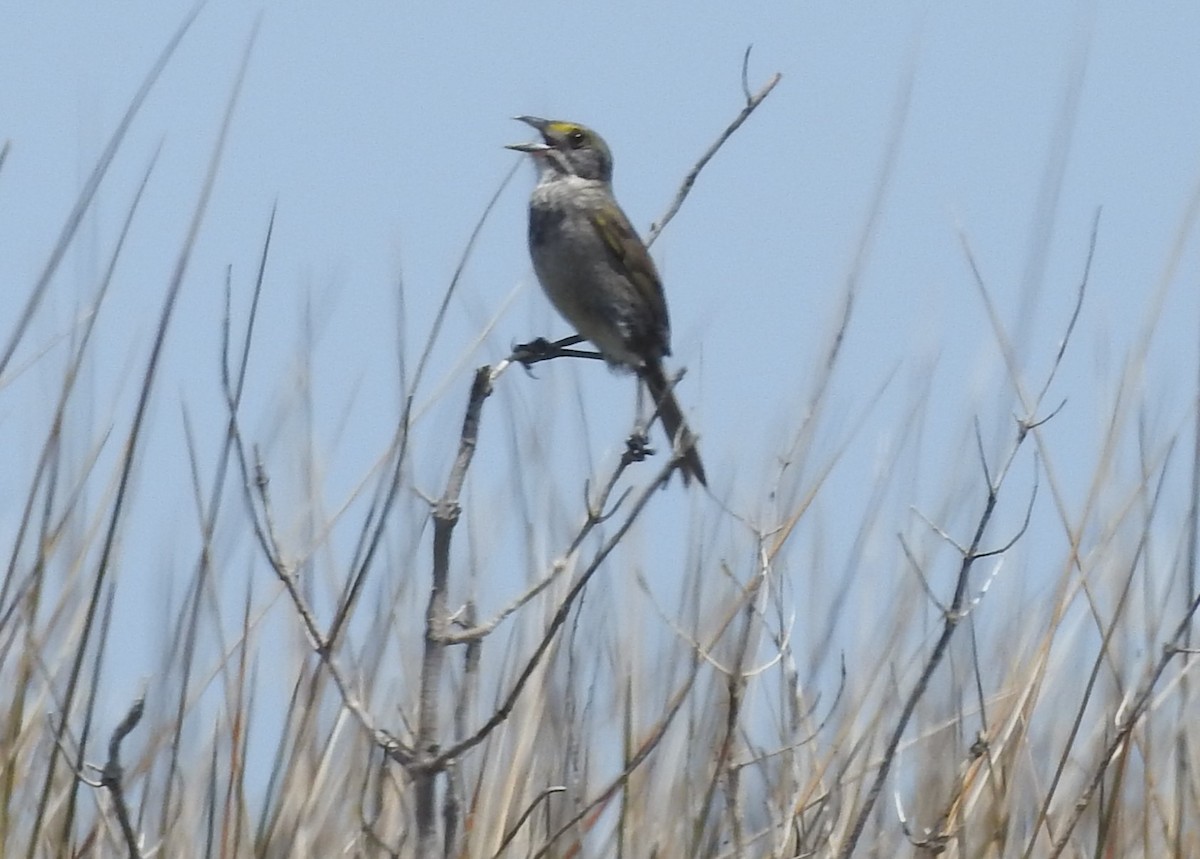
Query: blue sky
{"x": 380, "y": 132}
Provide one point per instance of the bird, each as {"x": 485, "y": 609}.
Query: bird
{"x": 596, "y": 270}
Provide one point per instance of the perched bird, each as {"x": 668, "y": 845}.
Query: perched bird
{"x": 596, "y": 271}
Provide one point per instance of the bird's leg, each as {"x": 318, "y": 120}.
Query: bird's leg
{"x": 542, "y": 349}
{"x": 639, "y": 427}
{"x": 637, "y": 446}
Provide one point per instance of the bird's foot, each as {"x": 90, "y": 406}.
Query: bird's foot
{"x": 533, "y": 352}
{"x": 541, "y": 349}
{"x": 637, "y": 448}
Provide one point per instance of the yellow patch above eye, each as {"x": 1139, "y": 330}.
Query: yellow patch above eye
{"x": 563, "y": 127}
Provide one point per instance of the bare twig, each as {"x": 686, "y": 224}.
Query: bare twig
{"x": 445, "y": 517}
{"x": 746, "y": 76}
{"x": 1079, "y": 293}
{"x": 112, "y": 775}
{"x": 476, "y": 632}
{"x": 723, "y": 770}
{"x": 685, "y": 188}
{"x": 532, "y": 807}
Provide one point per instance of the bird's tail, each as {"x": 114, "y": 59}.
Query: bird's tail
{"x": 673, "y": 422}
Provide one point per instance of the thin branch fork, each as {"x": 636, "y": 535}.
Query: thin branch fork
{"x": 112, "y": 775}
{"x": 560, "y": 617}
{"x": 598, "y": 512}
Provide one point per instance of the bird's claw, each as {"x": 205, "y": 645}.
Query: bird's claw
{"x": 637, "y": 448}
{"x": 533, "y": 352}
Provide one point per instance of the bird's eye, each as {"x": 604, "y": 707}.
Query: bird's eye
{"x": 576, "y": 137}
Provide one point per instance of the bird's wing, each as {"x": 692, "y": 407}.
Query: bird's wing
{"x": 630, "y": 258}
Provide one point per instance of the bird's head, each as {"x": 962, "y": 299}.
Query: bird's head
{"x": 568, "y": 148}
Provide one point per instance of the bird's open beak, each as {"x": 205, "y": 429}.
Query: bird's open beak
{"x": 532, "y": 148}
{"x": 533, "y": 122}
